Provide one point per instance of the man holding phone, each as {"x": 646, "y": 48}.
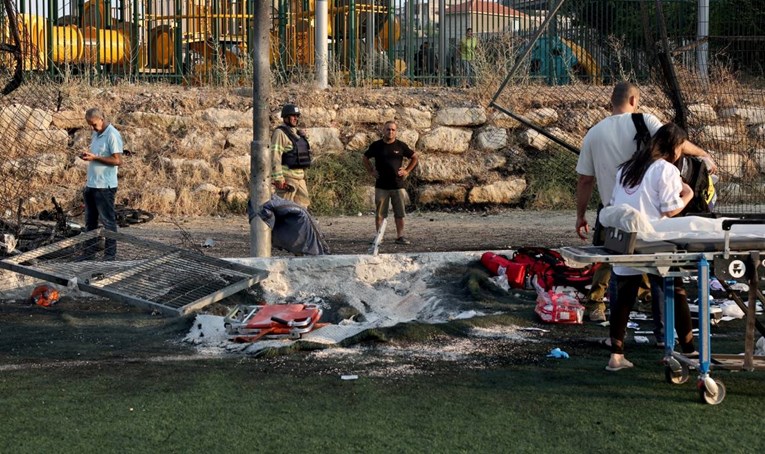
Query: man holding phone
{"x": 103, "y": 158}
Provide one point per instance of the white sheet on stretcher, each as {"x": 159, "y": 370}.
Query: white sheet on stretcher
{"x": 629, "y": 219}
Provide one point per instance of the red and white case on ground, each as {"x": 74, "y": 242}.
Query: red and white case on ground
{"x": 556, "y": 307}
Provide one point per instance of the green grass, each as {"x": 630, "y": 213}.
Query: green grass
{"x": 335, "y": 182}
{"x": 260, "y": 405}
{"x": 552, "y": 178}
{"x": 95, "y": 376}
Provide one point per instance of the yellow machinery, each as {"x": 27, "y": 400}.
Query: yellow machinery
{"x": 95, "y": 38}
{"x": 204, "y": 34}
{"x": 69, "y": 43}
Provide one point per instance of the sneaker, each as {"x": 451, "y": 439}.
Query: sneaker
{"x": 402, "y": 240}
{"x": 598, "y": 315}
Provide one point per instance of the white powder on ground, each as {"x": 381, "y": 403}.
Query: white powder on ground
{"x": 386, "y": 289}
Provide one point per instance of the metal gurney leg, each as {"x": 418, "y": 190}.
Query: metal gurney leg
{"x": 677, "y": 369}
{"x": 711, "y": 391}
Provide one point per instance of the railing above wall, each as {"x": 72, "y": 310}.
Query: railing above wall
{"x": 376, "y": 42}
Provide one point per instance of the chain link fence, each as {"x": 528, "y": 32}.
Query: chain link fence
{"x": 702, "y": 68}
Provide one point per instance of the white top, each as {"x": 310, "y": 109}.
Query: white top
{"x": 608, "y": 144}
{"x": 658, "y": 193}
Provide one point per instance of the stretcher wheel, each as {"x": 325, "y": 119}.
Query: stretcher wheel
{"x": 676, "y": 373}
{"x": 711, "y": 393}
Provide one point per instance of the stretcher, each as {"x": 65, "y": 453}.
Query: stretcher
{"x": 246, "y": 323}
{"x": 731, "y": 260}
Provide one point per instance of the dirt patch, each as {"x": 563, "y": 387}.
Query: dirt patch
{"x": 428, "y": 231}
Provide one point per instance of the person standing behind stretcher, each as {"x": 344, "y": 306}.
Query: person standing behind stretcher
{"x": 651, "y": 184}
{"x": 607, "y": 145}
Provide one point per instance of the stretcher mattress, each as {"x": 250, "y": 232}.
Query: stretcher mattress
{"x": 689, "y": 234}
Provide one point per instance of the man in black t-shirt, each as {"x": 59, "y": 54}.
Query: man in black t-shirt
{"x": 390, "y": 173}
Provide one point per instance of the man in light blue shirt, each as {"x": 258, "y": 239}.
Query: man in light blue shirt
{"x": 104, "y": 157}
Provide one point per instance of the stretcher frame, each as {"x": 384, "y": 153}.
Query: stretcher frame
{"x": 743, "y": 266}
{"x": 245, "y": 323}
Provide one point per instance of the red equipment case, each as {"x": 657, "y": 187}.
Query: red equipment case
{"x": 252, "y": 323}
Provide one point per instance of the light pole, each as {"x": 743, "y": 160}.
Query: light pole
{"x": 260, "y": 152}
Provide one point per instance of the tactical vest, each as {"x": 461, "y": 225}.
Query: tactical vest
{"x": 299, "y": 157}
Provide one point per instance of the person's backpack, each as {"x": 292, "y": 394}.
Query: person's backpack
{"x": 643, "y": 135}
{"x": 550, "y": 268}
{"x": 695, "y": 174}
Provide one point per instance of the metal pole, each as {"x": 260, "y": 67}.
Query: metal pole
{"x": 322, "y": 47}
{"x": 260, "y": 152}
{"x": 218, "y": 55}
{"x": 135, "y": 54}
{"x": 702, "y": 51}
{"x": 178, "y": 40}
{"x": 370, "y": 34}
{"x": 352, "y": 40}
{"x": 49, "y": 39}
{"x": 391, "y": 31}
{"x": 249, "y": 31}
{"x": 282, "y": 35}
{"x": 409, "y": 49}
{"x": 442, "y": 53}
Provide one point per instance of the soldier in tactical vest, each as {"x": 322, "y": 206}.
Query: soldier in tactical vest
{"x": 291, "y": 155}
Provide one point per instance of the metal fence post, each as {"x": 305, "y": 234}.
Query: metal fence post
{"x": 321, "y": 63}
{"x": 351, "y": 41}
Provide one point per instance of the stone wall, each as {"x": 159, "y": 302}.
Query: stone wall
{"x": 466, "y": 153}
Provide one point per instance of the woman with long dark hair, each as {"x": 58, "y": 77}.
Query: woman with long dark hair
{"x": 650, "y": 183}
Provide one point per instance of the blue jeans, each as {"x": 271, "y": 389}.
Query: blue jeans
{"x": 99, "y": 205}
{"x": 468, "y": 72}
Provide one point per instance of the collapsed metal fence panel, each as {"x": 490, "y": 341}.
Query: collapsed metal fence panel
{"x": 148, "y": 274}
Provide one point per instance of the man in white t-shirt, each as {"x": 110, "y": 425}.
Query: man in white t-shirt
{"x": 608, "y": 144}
